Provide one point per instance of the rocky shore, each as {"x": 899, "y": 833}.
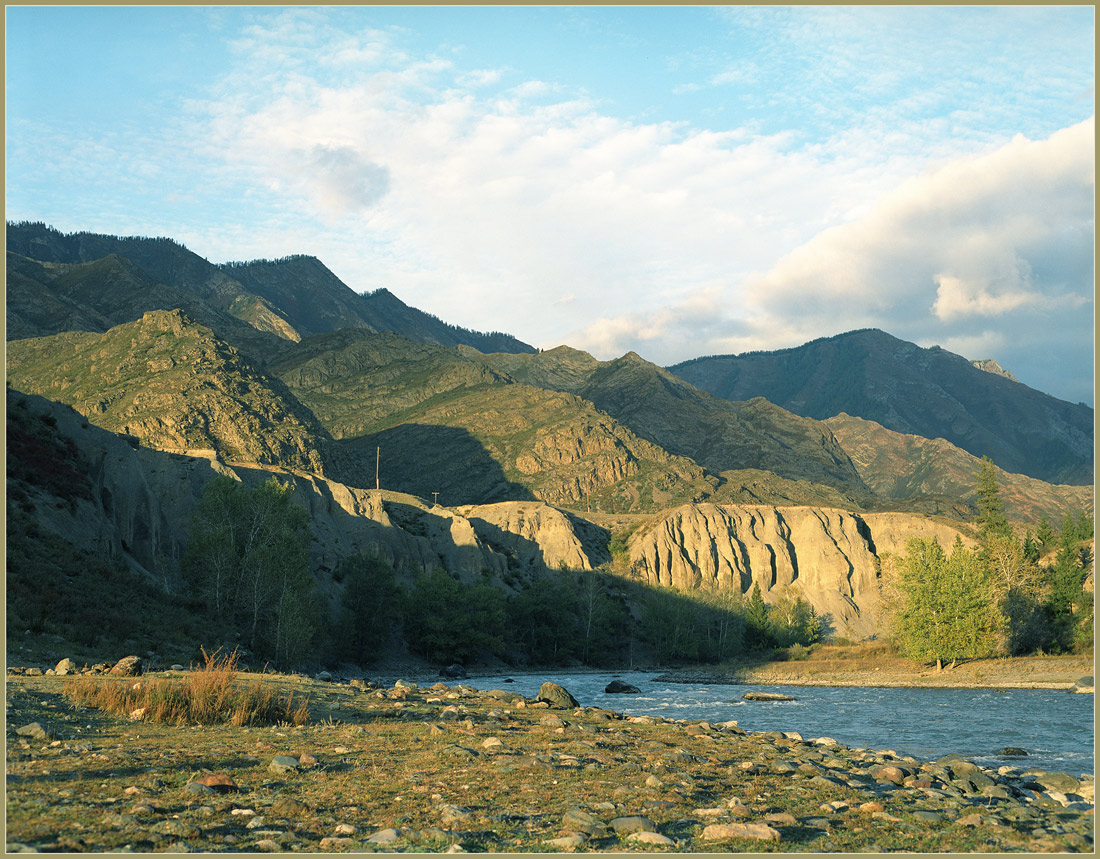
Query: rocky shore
{"x": 444, "y": 767}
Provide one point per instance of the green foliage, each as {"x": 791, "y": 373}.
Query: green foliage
{"x": 945, "y": 603}
{"x": 543, "y": 623}
{"x": 447, "y": 621}
{"x": 1068, "y": 605}
{"x": 248, "y": 555}
{"x": 370, "y": 607}
{"x": 991, "y": 509}
{"x": 1044, "y": 533}
{"x": 757, "y": 635}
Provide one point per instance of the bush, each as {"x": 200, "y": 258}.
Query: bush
{"x": 208, "y": 696}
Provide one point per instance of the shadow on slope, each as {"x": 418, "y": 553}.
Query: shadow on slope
{"x": 424, "y": 460}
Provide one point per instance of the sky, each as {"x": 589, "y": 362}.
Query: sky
{"x": 675, "y": 181}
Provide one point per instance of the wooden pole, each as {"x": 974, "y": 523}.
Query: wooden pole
{"x": 377, "y": 461}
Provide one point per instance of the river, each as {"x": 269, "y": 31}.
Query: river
{"x": 1056, "y": 728}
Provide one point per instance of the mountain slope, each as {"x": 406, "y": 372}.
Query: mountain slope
{"x": 928, "y": 392}
{"x": 899, "y": 466}
{"x": 171, "y": 383}
{"x": 719, "y": 435}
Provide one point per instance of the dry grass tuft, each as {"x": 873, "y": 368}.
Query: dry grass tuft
{"x": 210, "y": 695}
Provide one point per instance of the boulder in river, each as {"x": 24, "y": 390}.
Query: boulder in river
{"x": 618, "y": 687}
{"x": 1012, "y": 752}
{"x": 766, "y": 696}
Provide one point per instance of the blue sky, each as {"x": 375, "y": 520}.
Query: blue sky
{"x": 676, "y": 181}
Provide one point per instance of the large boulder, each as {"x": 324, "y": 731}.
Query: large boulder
{"x": 453, "y": 672}
{"x": 618, "y": 687}
{"x": 557, "y": 696}
{"x": 128, "y": 666}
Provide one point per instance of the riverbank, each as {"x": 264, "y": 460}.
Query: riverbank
{"x": 450, "y": 768}
{"x": 864, "y": 664}
{"x": 833, "y": 669}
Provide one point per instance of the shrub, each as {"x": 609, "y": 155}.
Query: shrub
{"x": 210, "y": 695}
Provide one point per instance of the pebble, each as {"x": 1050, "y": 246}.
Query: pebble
{"x": 267, "y": 845}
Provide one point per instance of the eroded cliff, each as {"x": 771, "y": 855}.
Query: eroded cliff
{"x": 829, "y": 557}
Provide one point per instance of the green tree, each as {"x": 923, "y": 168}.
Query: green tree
{"x": 943, "y": 606}
{"x": 1068, "y": 606}
{"x": 448, "y": 621}
{"x": 1044, "y": 533}
{"x": 757, "y": 632}
{"x": 248, "y": 556}
{"x": 543, "y": 622}
{"x": 370, "y": 607}
{"x": 992, "y": 521}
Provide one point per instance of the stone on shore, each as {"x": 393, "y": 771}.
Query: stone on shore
{"x": 128, "y": 666}
{"x": 754, "y": 831}
{"x": 557, "y": 696}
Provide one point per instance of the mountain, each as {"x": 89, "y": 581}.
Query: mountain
{"x": 720, "y": 436}
{"x": 452, "y": 425}
{"x": 927, "y": 392}
{"x": 289, "y": 298}
{"x": 941, "y": 477}
{"x": 169, "y": 382}
{"x": 317, "y": 301}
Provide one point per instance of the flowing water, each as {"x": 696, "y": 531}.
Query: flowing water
{"x": 1054, "y": 727}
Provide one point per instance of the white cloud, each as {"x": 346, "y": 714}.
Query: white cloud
{"x": 956, "y": 298}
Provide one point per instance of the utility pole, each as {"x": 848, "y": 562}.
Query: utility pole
{"x": 377, "y": 461}
{"x": 435, "y": 499}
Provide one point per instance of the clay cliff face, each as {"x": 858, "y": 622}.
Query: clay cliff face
{"x": 828, "y": 557}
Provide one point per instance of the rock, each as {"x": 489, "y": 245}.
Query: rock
{"x": 618, "y": 687}
{"x": 198, "y": 787}
{"x": 551, "y": 722}
{"x": 1012, "y": 752}
{"x": 628, "y": 825}
{"x": 288, "y": 806}
{"x": 385, "y": 836}
{"x": 453, "y": 672}
{"x": 754, "y": 831}
{"x": 766, "y": 696}
{"x": 358, "y": 683}
{"x": 646, "y": 837}
{"x": 128, "y": 666}
{"x": 556, "y": 696}
{"x": 65, "y": 666}
{"x": 781, "y": 818}
{"x": 331, "y": 843}
{"x": 177, "y": 667}
{"x": 654, "y": 782}
{"x": 282, "y": 764}
{"x": 566, "y": 842}
{"x": 323, "y": 676}
{"x": 218, "y": 782}
{"x": 449, "y": 814}
{"x": 306, "y": 761}
{"x": 345, "y": 829}
{"x": 580, "y": 820}
{"x": 1059, "y": 781}
{"x": 888, "y": 772}
{"x": 405, "y": 685}
{"x": 34, "y": 731}
{"x": 267, "y": 845}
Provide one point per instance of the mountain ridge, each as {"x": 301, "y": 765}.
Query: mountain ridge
{"x": 904, "y": 387}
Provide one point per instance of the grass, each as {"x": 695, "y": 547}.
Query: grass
{"x": 386, "y": 761}
{"x": 210, "y": 695}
